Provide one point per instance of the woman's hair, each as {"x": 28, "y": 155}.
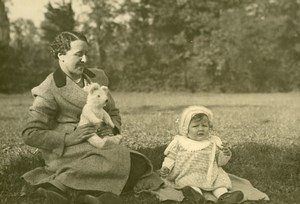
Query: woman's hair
{"x": 61, "y": 43}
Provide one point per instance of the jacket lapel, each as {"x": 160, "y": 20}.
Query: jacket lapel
{"x": 72, "y": 93}
{"x": 69, "y": 90}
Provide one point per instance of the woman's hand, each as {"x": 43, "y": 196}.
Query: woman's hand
{"x": 164, "y": 171}
{"x": 105, "y": 130}
{"x": 80, "y": 134}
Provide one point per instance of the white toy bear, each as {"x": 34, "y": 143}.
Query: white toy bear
{"x": 94, "y": 113}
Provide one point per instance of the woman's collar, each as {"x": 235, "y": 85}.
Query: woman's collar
{"x": 60, "y": 78}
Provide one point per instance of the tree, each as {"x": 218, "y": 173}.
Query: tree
{"x": 101, "y": 28}
{"x": 199, "y": 45}
{"x": 172, "y": 29}
{"x": 4, "y": 28}
{"x": 28, "y": 60}
{"x": 4, "y": 46}
{"x": 259, "y": 43}
{"x": 58, "y": 18}
{"x": 107, "y": 37}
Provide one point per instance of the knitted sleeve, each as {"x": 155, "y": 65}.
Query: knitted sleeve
{"x": 223, "y": 159}
{"x": 170, "y": 154}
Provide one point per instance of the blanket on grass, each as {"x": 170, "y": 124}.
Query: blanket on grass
{"x": 238, "y": 183}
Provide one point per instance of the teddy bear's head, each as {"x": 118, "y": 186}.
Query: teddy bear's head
{"x": 97, "y": 95}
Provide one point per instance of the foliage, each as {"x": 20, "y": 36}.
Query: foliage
{"x": 256, "y": 50}
{"x": 4, "y": 26}
{"x": 58, "y": 18}
{"x": 27, "y": 60}
{"x": 149, "y": 45}
{"x": 210, "y": 45}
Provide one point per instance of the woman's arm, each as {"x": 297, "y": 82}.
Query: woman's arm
{"x": 37, "y": 131}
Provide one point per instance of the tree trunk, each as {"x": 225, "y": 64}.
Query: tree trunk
{"x": 185, "y": 75}
{"x": 4, "y": 26}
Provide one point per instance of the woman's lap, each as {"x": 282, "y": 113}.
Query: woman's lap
{"x": 98, "y": 170}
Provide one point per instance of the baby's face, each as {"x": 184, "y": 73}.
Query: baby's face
{"x": 199, "y": 128}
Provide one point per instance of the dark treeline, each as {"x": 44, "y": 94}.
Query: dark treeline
{"x": 195, "y": 45}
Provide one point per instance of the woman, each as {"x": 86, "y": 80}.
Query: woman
{"x": 71, "y": 163}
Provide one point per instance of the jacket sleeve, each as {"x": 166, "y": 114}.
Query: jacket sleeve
{"x": 114, "y": 113}
{"x": 37, "y": 131}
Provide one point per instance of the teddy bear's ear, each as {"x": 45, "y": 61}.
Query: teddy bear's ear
{"x": 94, "y": 87}
{"x": 104, "y": 88}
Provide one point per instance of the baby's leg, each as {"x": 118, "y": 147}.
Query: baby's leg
{"x": 228, "y": 197}
{"x": 197, "y": 189}
{"x": 219, "y": 191}
{"x": 97, "y": 141}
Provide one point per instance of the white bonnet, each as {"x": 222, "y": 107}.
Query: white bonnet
{"x": 187, "y": 115}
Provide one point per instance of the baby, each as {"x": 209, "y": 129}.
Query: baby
{"x": 194, "y": 158}
{"x": 94, "y": 113}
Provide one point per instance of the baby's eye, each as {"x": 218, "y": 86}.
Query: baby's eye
{"x": 98, "y": 96}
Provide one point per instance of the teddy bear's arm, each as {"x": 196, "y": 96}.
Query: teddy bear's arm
{"x": 97, "y": 141}
{"x": 107, "y": 119}
{"x": 90, "y": 115}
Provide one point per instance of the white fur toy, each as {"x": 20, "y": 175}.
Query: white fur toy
{"x": 94, "y": 113}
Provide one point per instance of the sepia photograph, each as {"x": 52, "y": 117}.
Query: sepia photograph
{"x": 149, "y": 101}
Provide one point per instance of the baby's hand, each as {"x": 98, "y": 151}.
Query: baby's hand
{"x": 226, "y": 150}
{"x": 164, "y": 171}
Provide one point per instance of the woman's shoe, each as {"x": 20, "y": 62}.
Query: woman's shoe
{"x": 52, "y": 197}
{"x": 231, "y": 197}
{"x": 104, "y": 198}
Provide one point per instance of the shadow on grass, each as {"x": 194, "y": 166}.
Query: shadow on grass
{"x": 152, "y": 108}
{"x": 272, "y": 170}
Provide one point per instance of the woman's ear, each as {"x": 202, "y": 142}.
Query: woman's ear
{"x": 60, "y": 56}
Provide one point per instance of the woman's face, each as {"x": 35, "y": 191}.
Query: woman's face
{"x": 199, "y": 128}
{"x": 73, "y": 62}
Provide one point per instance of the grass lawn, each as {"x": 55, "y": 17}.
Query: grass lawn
{"x": 263, "y": 130}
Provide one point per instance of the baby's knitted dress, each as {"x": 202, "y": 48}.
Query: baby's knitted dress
{"x": 195, "y": 164}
